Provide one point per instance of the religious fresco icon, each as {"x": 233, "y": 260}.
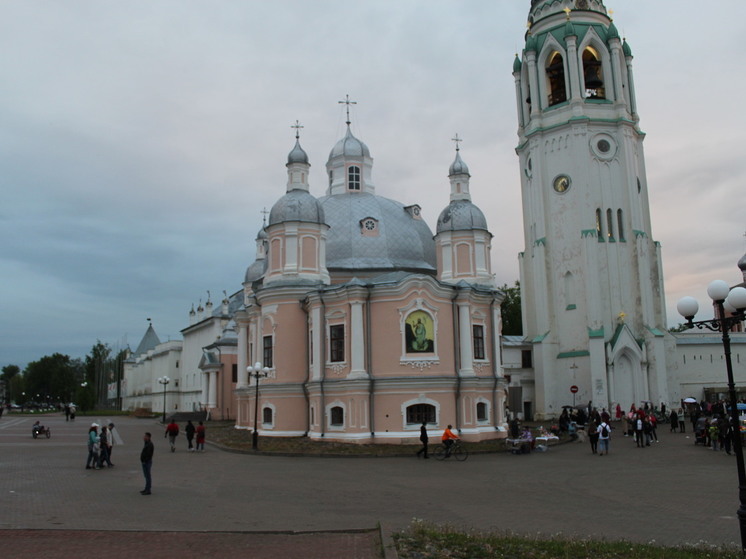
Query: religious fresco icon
{"x": 419, "y": 332}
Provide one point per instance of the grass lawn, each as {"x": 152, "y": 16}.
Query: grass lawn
{"x": 427, "y": 541}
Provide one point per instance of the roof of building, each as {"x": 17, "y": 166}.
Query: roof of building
{"x": 149, "y": 341}
{"x": 400, "y": 241}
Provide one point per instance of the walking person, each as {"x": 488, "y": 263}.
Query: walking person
{"x": 92, "y": 461}
{"x": 653, "y": 427}
{"x": 103, "y": 454}
{"x": 682, "y": 420}
{"x": 424, "y": 440}
{"x": 674, "y": 419}
{"x": 172, "y": 431}
{"x": 146, "y": 459}
{"x": 639, "y": 431}
{"x": 200, "y": 437}
{"x": 110, "y": 440}
{"x": 189, "y": 430}
{"x": 593, "y": 433}
{"x": 604, "y": 434}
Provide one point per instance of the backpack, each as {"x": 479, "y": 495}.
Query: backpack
{"x": 604, "y": 430}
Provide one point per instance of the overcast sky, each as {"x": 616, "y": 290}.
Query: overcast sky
{"x": 140, "y": 140}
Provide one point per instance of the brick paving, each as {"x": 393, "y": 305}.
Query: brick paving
{"x": 672, "y": 492}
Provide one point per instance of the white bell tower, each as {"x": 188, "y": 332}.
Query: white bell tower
{"x": 591, "y": 275}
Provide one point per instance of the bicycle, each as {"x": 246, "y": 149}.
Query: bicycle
{"x": 457, "y": 451}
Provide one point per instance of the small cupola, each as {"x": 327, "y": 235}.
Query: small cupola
{"x": 350, "y": 165}
{"x": 297, "y": 165}
{"x": 458, "y": 173}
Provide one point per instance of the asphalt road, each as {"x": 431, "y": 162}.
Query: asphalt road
{"x": 672, "y": 492}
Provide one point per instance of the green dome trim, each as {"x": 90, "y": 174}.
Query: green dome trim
{"x": 517, "y": 64}
{"x": 559, "y": 33}
{"x": 569, "y": 29}
{"x": 625, "y": 48}
{"x": 612, "y": 33}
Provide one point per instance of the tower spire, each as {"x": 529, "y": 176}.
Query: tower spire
{"x": 297, "y": 127}
{"x": 348, "y": 103}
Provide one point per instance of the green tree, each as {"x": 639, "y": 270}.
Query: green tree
{"x": 681, "y": 327}
{"x": 510, "y": 309}
{"x": 96, "y": 366}
{"x": 16, "y": 388}
{"x": 51, "y": 378}
{"x": 9, "y": 372}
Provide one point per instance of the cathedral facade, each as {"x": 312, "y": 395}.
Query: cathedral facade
{"x": 361, "y": 323}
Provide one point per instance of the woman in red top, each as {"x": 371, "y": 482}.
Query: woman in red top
{"x": 200, "y": 437}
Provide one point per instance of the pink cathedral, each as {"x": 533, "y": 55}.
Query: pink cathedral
{"x": 364, "y": 322}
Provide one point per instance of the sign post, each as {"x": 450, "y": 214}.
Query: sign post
{"x": 574, "y": 390}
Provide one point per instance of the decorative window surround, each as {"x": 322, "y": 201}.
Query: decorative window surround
{"x": 337, "y": 368}
{"x": 420, "y": 364}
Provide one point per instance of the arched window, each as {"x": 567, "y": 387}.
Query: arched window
{"x": 418, "y": 413}
{"x": 337, "y": 416}
{"x": 267, "y": 416}
{"x": 556, "y": 79}
{"x": 599, "y": 226}
{"x": 620, "y": 224}
{"x": 481, "y": 411}
{"x": 592, "y": 74}
{"x": 610, "y": 224}
{"x": 353, "y": 177}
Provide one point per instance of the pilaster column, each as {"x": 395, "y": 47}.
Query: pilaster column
{"x": 212, "y": 391}
{"x": 243, "y": 348}
{"x": 205, "y": 389}
{"x": 467, "y": 352}
{"x": 357, "y": 341}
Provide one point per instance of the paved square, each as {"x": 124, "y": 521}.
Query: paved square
{"x": 672, "y": 492}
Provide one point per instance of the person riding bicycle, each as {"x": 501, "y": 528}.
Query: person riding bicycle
{"x": 447, "y": 439}
{"x": 37, "y": 427}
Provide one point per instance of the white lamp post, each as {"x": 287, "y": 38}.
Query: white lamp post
{"x": 164, "y": 381}
{"x": 257, "y": 372}
{"x": 734, "y": 300}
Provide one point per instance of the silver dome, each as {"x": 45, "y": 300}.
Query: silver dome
{"x": 297, "y": 155}
{"x": 742, "y": 263}
{"x": 349, "y": 146}
{"x": 461, "y": 215}
{"x": 403, "y": 241}
{"x": 458, "y": 167}
{"x": 297, "y": 205}
{"x": 256, "y": 271}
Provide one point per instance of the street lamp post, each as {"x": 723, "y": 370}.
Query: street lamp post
{"x": 164, "y": 381}
{"x": 734, "y": 301}
{"x": 257, "y": 372}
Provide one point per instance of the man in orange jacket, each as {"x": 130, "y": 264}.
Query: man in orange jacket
{"x": 448, "y": 438}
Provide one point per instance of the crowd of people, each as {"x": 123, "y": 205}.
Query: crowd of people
{"x": 100, "y": 446}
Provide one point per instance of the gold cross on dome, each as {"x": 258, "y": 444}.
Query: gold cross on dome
{"x": 567, "y": 12}
{"x": 297, "y": 127}
{"x": 264, "y": 213}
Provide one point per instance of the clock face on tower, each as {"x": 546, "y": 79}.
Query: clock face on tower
{"x": 561, "y": 183}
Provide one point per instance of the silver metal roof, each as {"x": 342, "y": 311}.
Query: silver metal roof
{"x": 349, "y": 146}
{"x": 297, "y": 155}
{"x": 458, "y": 167}
{"x": 461, "y": 215}
{"x": 403, "y": 242}
{"x": 297, "y": 205}
{"x": 255, "y": 271}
